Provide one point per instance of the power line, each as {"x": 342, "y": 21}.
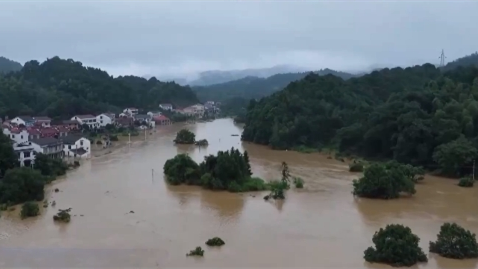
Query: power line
{"x": 442, "y": 58}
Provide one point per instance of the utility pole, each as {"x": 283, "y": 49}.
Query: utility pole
{"x": 442, "y": 58}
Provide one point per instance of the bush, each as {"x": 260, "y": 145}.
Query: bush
{"x": 21, "y": 185}
{"x": 185, "y": 137}
{"x": 202, "y": 142}
{"x": 63, "y": 215}
{"x": 384, "y": 182}
{"x": 298, "y": 182}
{"x": 99, "y": 142}
{"x": 29, "y": 209}
{"x": 215, "y": 242}
{"x": 196, "y": 252}
{"x": 466, "y": 182}
{"x": 455, "y": 242}
{"x": 395, "y": 245}
{"x": 278, "y": 187}
{"x": 356, "y": 167}
{"x": 114, "y": 138}
{"x": 254, "y": 184}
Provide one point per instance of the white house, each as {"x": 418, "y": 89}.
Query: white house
{"x": 25, "y": 152}
{"x": 76, "y": 146}
{"x": 131, "y": 111}
{"x": 166, "y": 106}
{"x": 194, "y": 110}
{"x": 43, "y": 121}
{"x": 105, "y": 119}
{"x": 89, "y": 120}
{"x": 23, "y": 120}
{"x": 17, "y": 135}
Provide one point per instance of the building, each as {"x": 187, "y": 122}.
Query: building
{"x": 25, "y": 152}
{"x": 194, "y": 110}
{"x": 89, "y": 120}
{"x": 18, "y": 135}
{"x": 42, "y": 121}
{"x": 23, "y": 120}
{"x": 131, "y": 111}
{"x": 142, "y": 118}
{"x": 76, "y": 146}
{"x": 162, "y": 120}
{"x": 33, "y": 133}
{"x": 71, "y": 124}
{"x": 166, "y": 107}
{"x": 105, "y": 119}
{"x": 49, "y": 146}
{"x": 125, "y": 122}
{"x": 153, "y": 114}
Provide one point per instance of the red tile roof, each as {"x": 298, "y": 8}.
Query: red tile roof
{"x": 160, "y": 118}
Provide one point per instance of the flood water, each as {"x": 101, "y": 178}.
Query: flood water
{"x": 321, "y": 226}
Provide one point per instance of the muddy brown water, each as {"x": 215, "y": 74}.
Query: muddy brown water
{"x": 321, "y": 226}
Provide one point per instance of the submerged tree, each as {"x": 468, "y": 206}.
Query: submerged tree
{"x": 395, "y": 245}
{"x": 29, "y": 209}
{"x": 185, "y": 136}
{"x": 198, "y": 251}
{"x": 455, "y": 242}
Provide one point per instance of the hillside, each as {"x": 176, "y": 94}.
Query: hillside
{"x": 7, "y": 65}
{"x": 61, "y": 88}
{"x": 414, "y": 115}
{"x": 468, "y": 60}
{"x": 254, "y": 87}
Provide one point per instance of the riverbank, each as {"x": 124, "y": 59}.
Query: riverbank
{"x": 168, "y": 221}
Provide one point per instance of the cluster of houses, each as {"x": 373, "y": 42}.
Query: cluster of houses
{"x": 197, "y": 110}
{"x": 33, "y": 135}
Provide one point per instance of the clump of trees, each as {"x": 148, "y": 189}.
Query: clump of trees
{"x": 395, "y": 245}
{"x": 50, "y": 167}
{"x": 198, "y": 251}
{"x": 466, "y": 182}
{"x": 185, "y": 136}
{"x": 63, "y": 215}
{"x": 216, "y": 241}
{"x": 202, "y": 142}
{"x": 20, "y": 185}
{"x": 278, "y": 187}
{"x": 29, "y": 209}
{"x": 386, "y": 181}
{"x": 228, "y": 170}
{"x": 356, "y": 167}
{"x": 455, "y": 242}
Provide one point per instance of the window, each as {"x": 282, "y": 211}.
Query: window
{"x": 81, "y": 142}
{"x": 26, "y": 154}
{"x": 69, "y": 147}
{"x": 101, "y": 117}
{"x": 21, "y": 136}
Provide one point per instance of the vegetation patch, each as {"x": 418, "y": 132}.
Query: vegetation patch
{"x": 185, "y": 136}
{"x": 216, "y": 241}
{"x": 202, "y": 142}
{"x": 298, "y": 182}
{"x": 29, "y": 209}
{"x": 455, "y": 242}
{"x": 395, "y": 245}
{"x": 356, "y": 167}
{"x": 63, "y": 215}
{"x": 198, "y": 251}
{"x": 466, "y": 182}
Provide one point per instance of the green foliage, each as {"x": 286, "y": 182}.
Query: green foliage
{"x": 7, "y": 65}
{"x": 229, "y": 170}
{"x": 114, "y": 138}
{"x": 356, "y": 167}
{"x": 202, "y": 142}
{"x": 455, "y": 242}
{"x": 29, "y": 209}
{"x": 50, "y": 167}
{"x": 21, "y": 185}
{"x": 466, "y": 182}
{"x": 8, "y": 158}
{"x": 278, "y": 189}
{"x": 198, "y": 251}
{"x": 63, "y": 215}
{"x": 185, "y": 136}
{"x": 418, "y": 115}
{"x": 298, "y": 182}
{"x": 215, "y": 242}
{"x": 384, "y": 181}
{"x": 395, "y": 245}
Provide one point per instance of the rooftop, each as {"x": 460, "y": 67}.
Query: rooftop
{"x": 161, "y": 117}
{"x": 26, "y": 118}
{"x": 47, "y": 141}
{"x": 71, "y": 139}
{"x": 88, "y": 116}
{"x": 70, "y": 122}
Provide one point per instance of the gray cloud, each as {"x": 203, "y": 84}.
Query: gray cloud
{"x": 183, "y": 37}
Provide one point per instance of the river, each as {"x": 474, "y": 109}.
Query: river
{"x": 321, "y": 226}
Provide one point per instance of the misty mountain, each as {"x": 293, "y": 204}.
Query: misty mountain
{"x": 7, "y": 65}
{"x": 255, "y": 87}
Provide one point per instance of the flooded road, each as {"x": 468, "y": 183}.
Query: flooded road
{"x": 321, "y": 226}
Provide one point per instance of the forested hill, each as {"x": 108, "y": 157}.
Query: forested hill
{"x": 255, "y": 87}
{"x": 62, "y": 88}
{"x": 468, "y": 60}
{"x": 416, "y": 115}
{"x": 7, "y": 65}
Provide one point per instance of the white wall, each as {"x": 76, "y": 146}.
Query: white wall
{"x": 25, "y": 152}
{"x": 18, "y": 121}
{"x": 18, "y": 138}
{"x": 80, "y": 143}
{"x": 104, "y": 120}
{"x": 91, "y": 122}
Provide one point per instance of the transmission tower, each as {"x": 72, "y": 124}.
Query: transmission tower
{"x": 442, "y": 58}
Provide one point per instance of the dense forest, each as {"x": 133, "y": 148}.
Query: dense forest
{"x": 255, "y": 87}
{"x": 469, "y": 60}
{"x": 7, "y": 65}
{"x": 417, "y": 115}
{"x": 62, "y": 88}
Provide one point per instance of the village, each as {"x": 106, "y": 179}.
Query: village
{"x": 71, "y": 138}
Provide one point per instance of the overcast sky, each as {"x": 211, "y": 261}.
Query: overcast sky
{"x": 176, "y": 38}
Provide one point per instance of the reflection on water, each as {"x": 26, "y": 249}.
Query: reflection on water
{"x": 322, "y": 225}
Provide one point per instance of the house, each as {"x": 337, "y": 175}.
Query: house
{"x": 194, "y": 110}
{"x": 124, "y": 122}
{"x": 162, "y": 120}
{"x": 76, "y": 146}
{"x": 23, "y": 120}
{"x": 49, "y": 146}
{"x": 33, "y": 133}
{"x": 18, "y": 135}
{"x": 131, "y": 111}
{"x": 166, "y": 107}
{"x": 42, "y": 121}
{"x": 71, "y": 124}
{"x": 142, "y": 118}
{"x": 25, "y": 152}
{"x": 89, "y": 120}
{"x": 153, "y": 114}
{"x": 105, "y": 119}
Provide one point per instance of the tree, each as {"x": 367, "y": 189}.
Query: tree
{"x": 395, "y": 245}
{"x": 384, "y": 182}
{"x": 29, "y": 209}
{"x": 454, "y": 155}
{"x": 50, "y": 167}
{"x": 181, "y": 169}
{"x": 185, "y": 136}
{"x": 21, "y": 185}
{"x": 8, "y": 158}
{"x": 455, "y": 242}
